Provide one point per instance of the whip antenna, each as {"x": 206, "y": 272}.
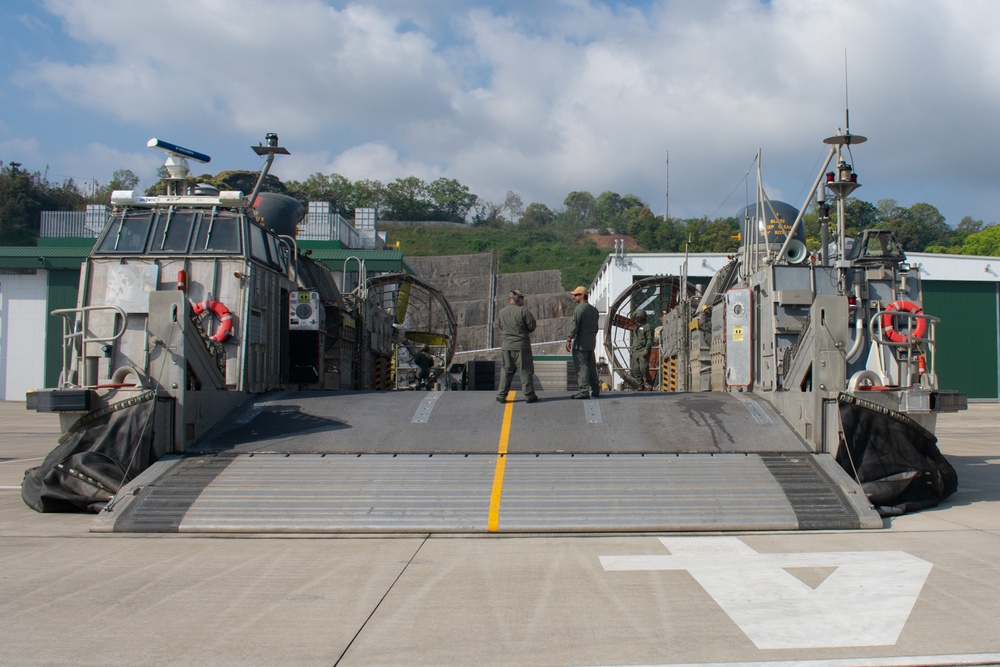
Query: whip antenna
{"x": 847, "y": 99}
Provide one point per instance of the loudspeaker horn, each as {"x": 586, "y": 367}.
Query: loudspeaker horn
{"x": 796, "y": 252}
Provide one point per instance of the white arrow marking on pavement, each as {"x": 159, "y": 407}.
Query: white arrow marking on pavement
{"x": 864, "y": 602}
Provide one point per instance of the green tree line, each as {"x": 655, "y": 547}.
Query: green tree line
{"x": 525, "y": 237}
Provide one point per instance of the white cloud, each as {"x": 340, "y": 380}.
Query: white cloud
{"x": 546, "y": 98}
{"x": 375, "y": 161}
{"x": 97, "y": 158}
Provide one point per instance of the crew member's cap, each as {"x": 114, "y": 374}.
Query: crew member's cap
{"x": 579, "y": 290}
{"x": 516, "y": 294}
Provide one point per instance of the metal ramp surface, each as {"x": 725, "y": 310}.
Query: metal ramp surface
{"x": 457, "y": 462}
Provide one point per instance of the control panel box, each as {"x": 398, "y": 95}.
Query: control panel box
{"x": 739, "y": 338}
{"x": 305, "y": 312}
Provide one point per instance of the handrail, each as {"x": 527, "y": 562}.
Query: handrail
{"x": 75, "y": 326}
{"x": 875, "y": 328}
{"x": 293, "y": 249}
{"x": 906, "y": 355}
{"x": 362, "y": 288}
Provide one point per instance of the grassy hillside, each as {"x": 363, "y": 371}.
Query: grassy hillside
{"x": 518, "y": 249}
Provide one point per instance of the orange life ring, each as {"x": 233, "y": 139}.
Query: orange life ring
{"x": 903, "y": 307}
{"x": 225, "y": 318}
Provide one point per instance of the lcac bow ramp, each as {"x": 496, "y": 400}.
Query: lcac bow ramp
{"x": 456, "y": 462}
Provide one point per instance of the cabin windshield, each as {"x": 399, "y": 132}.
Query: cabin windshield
{"x": 172, "y": 231}
{"x": 218, "y": 233}
{"x": 877, "y": 245}
{"x": 126, "y": 234}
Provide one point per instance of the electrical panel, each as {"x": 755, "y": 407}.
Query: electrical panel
{"x": 739, "y": 338}
{"x": 305, "y": 312}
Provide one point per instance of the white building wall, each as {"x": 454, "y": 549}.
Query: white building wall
{"x": 23, "y": 303}
{"x": 964, "y": 268}
{"x": 620, "y": 269}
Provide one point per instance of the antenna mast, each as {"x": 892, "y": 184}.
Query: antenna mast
{"x": 666, "y": 213}
{"x": 847, "y": 99}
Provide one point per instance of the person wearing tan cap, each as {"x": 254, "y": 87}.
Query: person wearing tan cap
{"x": 582, "y": 342}
{"x": 516, "y": 324}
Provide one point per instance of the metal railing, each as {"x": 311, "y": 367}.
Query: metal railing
{"x": 76, "y": 324}
{"x": 323, "y": 224}
{"x": 320, "y": 224}
{"x": 74, "y": 224}
{"x": 910, "y": 349}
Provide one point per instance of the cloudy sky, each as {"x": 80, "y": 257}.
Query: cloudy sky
{"x": 541, "y": 97}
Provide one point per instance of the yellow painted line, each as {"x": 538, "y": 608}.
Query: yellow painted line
{"x": 493, "y": 524}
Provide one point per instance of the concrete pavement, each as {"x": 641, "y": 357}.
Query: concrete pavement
{"x": 921, "y": 591}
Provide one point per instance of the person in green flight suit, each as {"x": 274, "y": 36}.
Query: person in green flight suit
{"x": 424, "y": 363}
{"x": 516, "y": 324}
{"x": 582, "y": 342}
{"x": 642, "y": 345}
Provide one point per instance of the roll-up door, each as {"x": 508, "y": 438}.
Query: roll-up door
{"x": 967, "y": 341}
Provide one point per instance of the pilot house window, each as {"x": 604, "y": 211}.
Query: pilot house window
{"x": 219, "y": 234}
{"x": 127, "y": 234}
{"x": 173, "y": 231}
